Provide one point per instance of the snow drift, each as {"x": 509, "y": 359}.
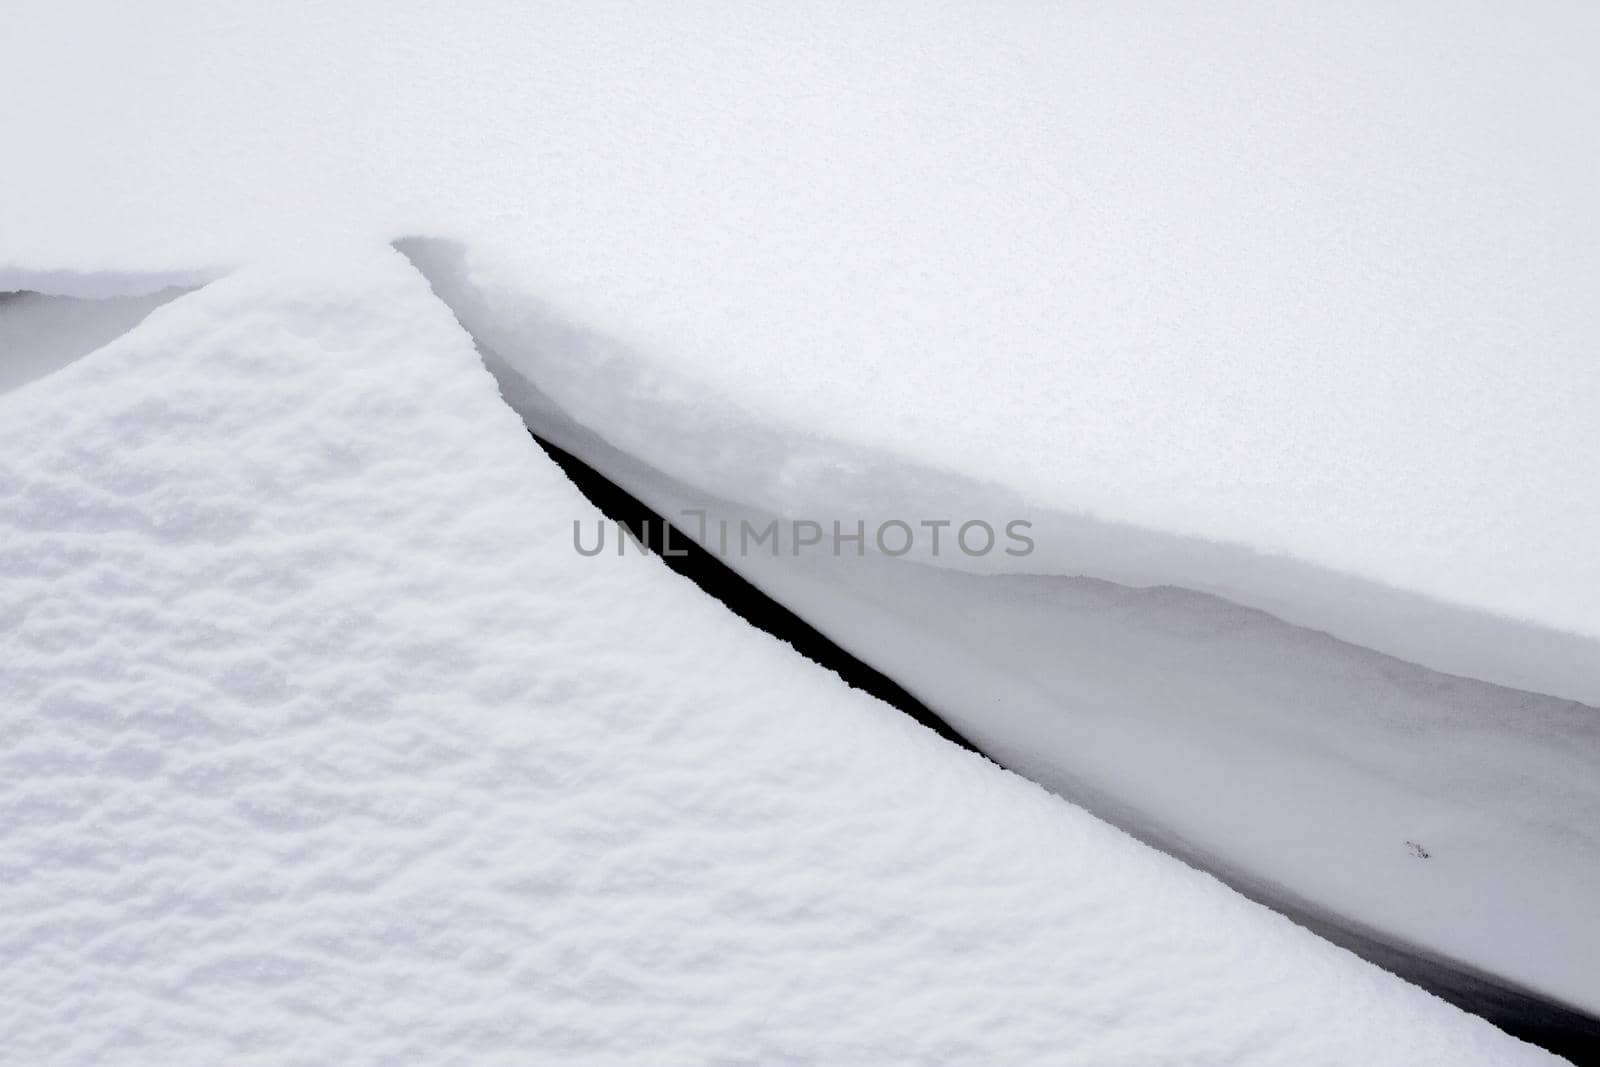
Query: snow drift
{"x": 1295, "y": 311}
{"x": 1298, "y": 311}
{"x": 321, "y": 743}
{"x": 1451, "y": 817}
{"x": 1260, "y": 310}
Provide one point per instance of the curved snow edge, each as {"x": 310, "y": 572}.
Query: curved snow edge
{"x": 101, "y": 285}
{"x": 707, "y": 442}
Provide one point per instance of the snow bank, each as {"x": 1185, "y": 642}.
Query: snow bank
{"x": 646, "y": 406}
{"x": 1317, "y": 289}
{"x": 322, "y": 745}
{"x": 1454, "y": 819}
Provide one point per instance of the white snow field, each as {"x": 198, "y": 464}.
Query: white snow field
{"x": 322, "y": 745}
{"x": 1280, "y": 324}
{"x": 1314, "y": 286}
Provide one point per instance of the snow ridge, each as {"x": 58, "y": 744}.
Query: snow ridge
{"x": 322, "y": 746}
{"x": 1291, "y": 762}
{"x": 645, "y": 406}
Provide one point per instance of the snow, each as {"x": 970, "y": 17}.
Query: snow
{"x": 322, "y": 745}
{"x": 1292, "y": 308}
{"x": 41, "y": 333}
{"x": 717, "y": 445}
{"x": 1243, "y": 308}
{"x": 1304, "y": 768}
{"x": 106, "y": 285}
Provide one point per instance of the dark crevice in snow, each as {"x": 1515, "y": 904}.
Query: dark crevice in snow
{"x": 679, "y": 552}
{"x": 1526, "y": 1015}
{"x": 684, "y": 429}
{"x": 1519, "y": 1012}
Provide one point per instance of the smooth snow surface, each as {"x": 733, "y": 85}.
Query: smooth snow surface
{"x": 322, "y": 745}
{"x": 1319, "y": 285}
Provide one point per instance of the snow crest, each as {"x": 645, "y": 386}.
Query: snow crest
{"x": 321, "y": 745}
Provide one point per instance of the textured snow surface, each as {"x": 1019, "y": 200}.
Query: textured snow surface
{"x": 321, "y": 745}
{"x": 1458, "y": 819}
{"x": 1318, "y": 284}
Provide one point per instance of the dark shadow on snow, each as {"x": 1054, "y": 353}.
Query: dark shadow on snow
{"x": 1523, "y": 1014}
{"x": 717, "y": 579}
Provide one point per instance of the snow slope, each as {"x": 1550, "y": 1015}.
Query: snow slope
{"x": 1457, "y": 820}
{"x": 321, "y": 745}
{"x": 1297, "y": 306}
